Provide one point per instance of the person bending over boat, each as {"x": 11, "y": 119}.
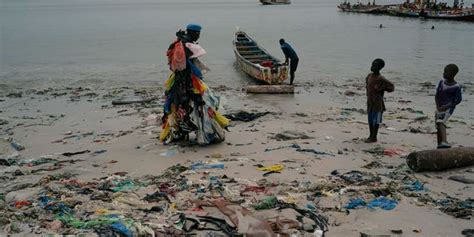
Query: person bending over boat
{"x": 292, "y": 56}
{"x": 189, "y": 105}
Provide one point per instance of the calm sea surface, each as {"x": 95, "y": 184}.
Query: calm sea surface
{"x": 104, "y": 41}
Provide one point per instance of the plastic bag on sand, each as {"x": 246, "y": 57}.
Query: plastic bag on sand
{"x": 251, "y": 226}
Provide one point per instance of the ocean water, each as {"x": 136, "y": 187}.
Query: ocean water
{"x": 46, "y": 42}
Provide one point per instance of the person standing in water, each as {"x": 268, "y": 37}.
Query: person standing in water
{"x": 290, "y": 55}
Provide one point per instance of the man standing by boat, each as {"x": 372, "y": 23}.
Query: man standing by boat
{"x": 292, "y": 56}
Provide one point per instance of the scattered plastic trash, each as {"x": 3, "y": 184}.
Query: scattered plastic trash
{"x": 245, "y": 116}
{"x": 393, "y": 152}
{"x": 75, "y": 153}
{"x": 382, "y": 202}
{"x": 398, "y": 232}
{"x": 415, "y": 186}
{"x": 16, "y": 145}
{"x": 3, "y": 121}
{"x": 290, "y": 135}
{"x": 275, "y": 168}
{"x": 172, "y": 151}
{"x": 122, "y": 185}
{"x": 121, "y": 229}
{"x": 20, "y": 204}
{"x": 355, "y": 203}
{"x": 314, "y": 151}
{"x": 377, "y": 150}
{"x": 201, "y": 166}
{"x": 270, "y": 172}
{"x": 55, "y": 225}
{"x": 282, "y": 147}
{"x": 268, "y": 202}
{"x": 358, "y": 177}
{"x": 53, "y": 205}
{"x": 98, "y": 152}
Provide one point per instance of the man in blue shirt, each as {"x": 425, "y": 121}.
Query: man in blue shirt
{"x": 290, "y": 54}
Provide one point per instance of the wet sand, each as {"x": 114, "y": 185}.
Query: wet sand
{"x": 49, "y": 122}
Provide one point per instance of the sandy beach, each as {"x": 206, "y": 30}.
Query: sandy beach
{"x": 316, "y": 134}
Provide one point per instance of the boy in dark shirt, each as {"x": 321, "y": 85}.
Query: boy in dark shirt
{"x": 448, "y": 95}
{"x": 376, "y": 85}
{"x": 290, "y": 54}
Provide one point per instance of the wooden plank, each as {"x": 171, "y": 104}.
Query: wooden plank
{"x": 243, "y": 47}
{"x": 271, "y": 89}
{"x": 257, "y": 56}
{"x": 246, "y": 52}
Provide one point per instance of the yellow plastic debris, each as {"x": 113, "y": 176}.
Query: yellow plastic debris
{"x": 223, "y": 121}
{"x": 106, "y": 212}
{"x": 272, "y": 168}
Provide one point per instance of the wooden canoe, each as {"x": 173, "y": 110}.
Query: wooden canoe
{"x": 452, "y": 15}
{"x": 274, "y": 2}
{"x": 442, "y": 15}
{"x": 363, "y": 9}
{"x": 257, "y": 62}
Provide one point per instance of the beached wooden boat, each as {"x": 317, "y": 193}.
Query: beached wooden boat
{"x": 275, "y": 2}
{"x": 257, "y": 62}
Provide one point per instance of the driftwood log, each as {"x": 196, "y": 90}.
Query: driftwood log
{"x": 441, "y": 159}
{"x": 271, "y": 89}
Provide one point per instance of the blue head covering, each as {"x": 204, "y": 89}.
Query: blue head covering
{"x": 194, "y": 27}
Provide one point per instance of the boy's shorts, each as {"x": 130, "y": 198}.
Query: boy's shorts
{"x": 375, "y": 118}
{"x": 294, "y": 65}
{"x": 442, "y": 117}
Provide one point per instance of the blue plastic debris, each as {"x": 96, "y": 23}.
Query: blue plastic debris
{"x": 53, "y": 205}
{"x": 200, "y": 166}
{"x": 17, "y": 146}
{"x": 121, "y": 229}
{"x": 355, "y": 203}
{"x": 382, "y": 202}
{"x": 415, "y": 186}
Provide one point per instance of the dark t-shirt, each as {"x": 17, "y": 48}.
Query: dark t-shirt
{"x": 376, "y": 85}
{"x": 289, "y": 51}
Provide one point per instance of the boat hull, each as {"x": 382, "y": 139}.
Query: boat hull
{"x": 455, "y": 16}
{"x": 275, "y": 2}
{"x": 249, "y": 57}
{"x": 369, "y": 10}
